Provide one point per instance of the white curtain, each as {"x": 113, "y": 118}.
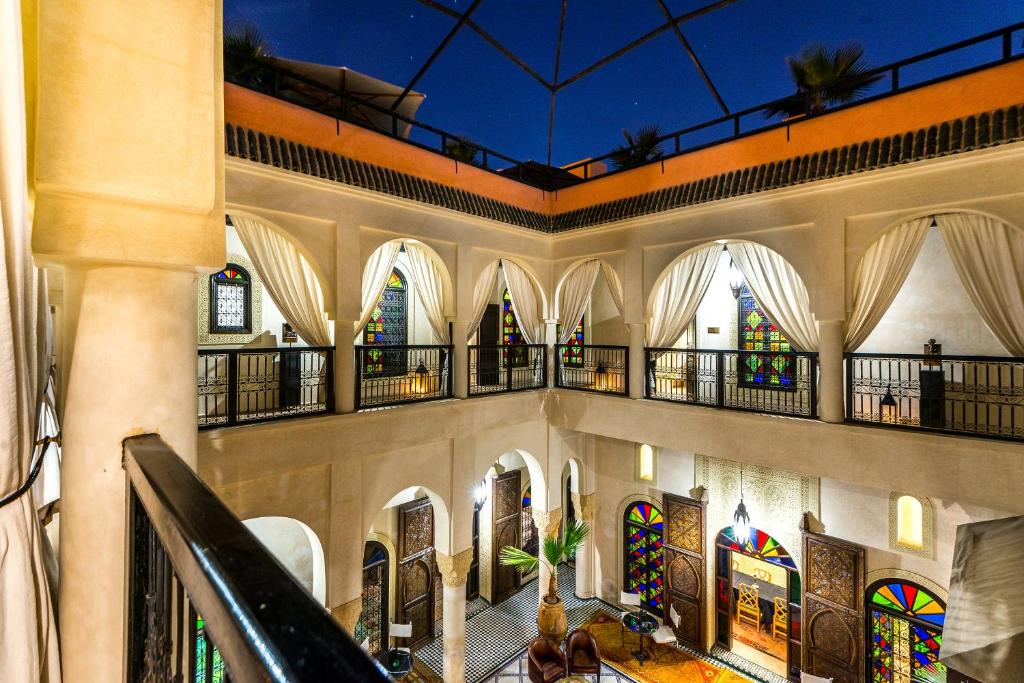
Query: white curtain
{"x": 880, "y": 276}
{"x": 430, "y": 290}
{"x": 780, "y": 291}
{"x": 614, "y": 286}
{"x": 482, "y": 296}
{"x": 679, "y": 295}
{"x": 524, "y": 302}
{"x": 375, "y": 278}
{"x": 574, "y": 298}
{"x": 288, "y": 277}
{"x": 28, "y": 631}
{"x": 989, "y": 258}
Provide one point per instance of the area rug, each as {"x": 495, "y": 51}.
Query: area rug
{"x": 421, "y": 673}
{"x": 673, "y": 665}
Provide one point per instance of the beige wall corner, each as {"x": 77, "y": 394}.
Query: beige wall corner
{"x": 348, "y": 614}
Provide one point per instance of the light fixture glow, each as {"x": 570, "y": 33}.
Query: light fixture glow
{"x": 480, "y": 495}
{"x": 888, "y": 410}
{"x": 735, "y": 279}
{"x": 646, "y": 463}
{"x": 741, "y": 519}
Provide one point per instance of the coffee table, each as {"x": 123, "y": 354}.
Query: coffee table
{"x": 643, "y": 624}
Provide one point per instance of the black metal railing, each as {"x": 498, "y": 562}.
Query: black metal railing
{"x": 274, "y": 80}
{"x": 500, "y": 369}
{"x": 239, "y": 386}
{"x": 777, "y": 383}
{"x": 975, "y": 395}
{"x": 600, "y": 368}
{"x": 207, "y": 601}
{"x": 392, "y": 375}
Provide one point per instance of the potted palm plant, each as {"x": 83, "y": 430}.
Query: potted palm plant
{"x": 825, "y": 77}
{"x": 551, "y": 621}
{"x": 246, "y": 55}
{"x": 642, "y": 145}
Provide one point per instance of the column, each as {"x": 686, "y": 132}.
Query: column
{"x": 831, "y": 390}
{"x": 344, "y": 366}
{"x": 551, "y": 339}
{"x": 454, "y": 572}
{"x": 460, "y": 359}
{"x": 637, "y": 333}
{"x": 586, "y": 509}
{"x": 547, "y": 525}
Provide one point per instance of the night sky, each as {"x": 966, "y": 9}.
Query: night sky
{"x": 475, "y": 91}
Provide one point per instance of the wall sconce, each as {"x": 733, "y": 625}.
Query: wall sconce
{"x": 480, "y": 494}
{"x": 421, "y": 379}
{"x": 888, "y": 409}
{"x": 735, "y": 279}
{"x": 646, "y": 464}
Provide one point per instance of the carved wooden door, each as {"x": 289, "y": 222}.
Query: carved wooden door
{"x": 684, "y": 558}
{"x": 416, "y": 570}
{"x": 833, "y": 610}
{"x": 506, "y": 529}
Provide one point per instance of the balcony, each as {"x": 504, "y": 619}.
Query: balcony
{"x": 501, "y": 369}
{"x": 772, "y": 383}
{"x": 602, "y": 369}
{"x": 971, "y": 395}
{"x": 395, "y": 375}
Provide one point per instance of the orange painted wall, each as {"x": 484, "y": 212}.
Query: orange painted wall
{"x": 971, "y": 94}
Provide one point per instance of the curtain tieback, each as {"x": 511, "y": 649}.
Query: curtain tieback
{"x": 34, "y": 472}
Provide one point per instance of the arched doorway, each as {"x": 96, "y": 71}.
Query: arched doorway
{"x": 904, "y": 631}
{"x": 757, "y": 600}
{"x": 644, "y": 527}
{"x": 372, "y": 627}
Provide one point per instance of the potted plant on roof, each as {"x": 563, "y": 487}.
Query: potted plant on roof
{"x": 551, "y": 621}
{"x": 247, "y": 55}
{"x": 824, "y": 77}
{"x": 461, "y": 149}
{"x": 642, "y": 145}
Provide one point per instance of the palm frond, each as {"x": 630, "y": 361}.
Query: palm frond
{"x": 642, "y": 145}
{"x": 575, "y": 534}
{"x": 553, "y": 549}
{"x": 518, "y": 558}
{"x": 825, "y": 77}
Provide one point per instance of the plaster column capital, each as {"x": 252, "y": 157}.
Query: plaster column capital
{"x": 454, "y": 568}
{"x": 586, "y": 506}
{"x": 547, "y": 521}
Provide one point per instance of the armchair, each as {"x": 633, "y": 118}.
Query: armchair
{"x": 583, "y": 654}
{"x": 546, "y": 661}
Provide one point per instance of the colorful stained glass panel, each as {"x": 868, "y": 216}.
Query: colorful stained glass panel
{"x": 644, "y": 565}
{"x": 901, "y": 647}
{"x": 572, "y": 357}
{"x": 768, "y": 361}
{"x": 759, "y": 545}
{"x": 388, "y": 326}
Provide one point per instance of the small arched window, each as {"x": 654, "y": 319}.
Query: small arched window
{"x": 910, "y": 524}
{"x": 231, "y": 301}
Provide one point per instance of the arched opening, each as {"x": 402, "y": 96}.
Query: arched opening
{"x": 729, "y": 324}
{"x": 909, "y": 522}
{"x": 589, "y": 309}
{"x": 297, "y": 548}
{"x": 904, "y": 631}
{"x": 757, "y": 601}
{"x": 372, "y": 627}
{"x": 643, "y": 530}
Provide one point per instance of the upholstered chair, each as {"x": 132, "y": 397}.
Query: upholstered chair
{"x": 583, "y": 654}
{"x": 546, "y": 661}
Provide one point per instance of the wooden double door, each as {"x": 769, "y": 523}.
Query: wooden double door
{"x": 684, "y": 565}
{"x": 506, "y": 530}
{"x": 417, "y": 574}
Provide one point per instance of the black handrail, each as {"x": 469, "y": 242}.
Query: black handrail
{"x": 506, "y": 368}
{"x": 190, "y": 555}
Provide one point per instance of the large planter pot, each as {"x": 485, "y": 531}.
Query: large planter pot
{"x": 551, "y": 621}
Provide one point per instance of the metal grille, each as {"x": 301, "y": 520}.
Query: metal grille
{"x": 604, "y": 369}
{"x": 375, "y": 604}
{"x": 415, "y": 373}
{"x": 490, "y": 371}
{"x": 230, "y": 303}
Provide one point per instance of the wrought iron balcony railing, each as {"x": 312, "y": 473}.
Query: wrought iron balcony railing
{"x": 501, "y": 369}
{"x": 599, "y": 368}
{"x": 207, "y": 601}
{"x": 763, "y": 382}
{"x": 393, "y": 375}
{"x": 973, "y": 395}
{"x": 240, "y": 386}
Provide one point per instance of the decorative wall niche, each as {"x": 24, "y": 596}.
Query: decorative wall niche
{"x": 205, "y": 337}
{"x": 910, "y": 525}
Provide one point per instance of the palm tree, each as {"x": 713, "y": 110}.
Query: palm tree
{"x": 555, "y": 551}
{"x": 246, "y": 54}
{"x": 461, "y": 149}
{"x": 641, "y": 146}
{"x": 825, "y": 77}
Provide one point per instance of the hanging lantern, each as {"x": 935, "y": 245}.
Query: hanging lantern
{"x": 888, "y": 409}
{"x": 735, "y": 279}
{"x": 741, "y": 518}
{"x": 421, "y": 379}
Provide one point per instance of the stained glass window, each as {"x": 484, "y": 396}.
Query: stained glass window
{"x": 643, "y": 528}
{"x": 511, "y": 335}
{"x": 372, "y": 623}
{"x": 572, "y": 357}
{"x": 906, "y": 632}
{"x": 209, "y": 664}
{"x": 531, "y": 541}
{"x": 388, "y": 326}
{"x": 230, "y": 301}
{"x": 759, "y": 545}
{"x": 771, "y": 364}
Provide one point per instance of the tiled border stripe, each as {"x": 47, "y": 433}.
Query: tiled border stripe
{"x": 959, "y": 135}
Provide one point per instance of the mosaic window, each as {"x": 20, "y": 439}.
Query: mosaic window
{"x": 388, "y": 326}
{"x": 772, "y": 364}
{"x": 760, "y": 545}
{"x": 511, "y": 334}
{"x": 372, "y": 623}
{"x": 531, "y": 540}
{"x": 572, "y": 357}
{"x": 209, "y": 664}
{"x": 906, "y": 632}
{"x": 643, "y": 529}
{"x": 230, "y": 301}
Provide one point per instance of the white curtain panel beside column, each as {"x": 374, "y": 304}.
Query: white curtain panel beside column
{"x": 574, "y": 297}
{"x": 988, "y": 256}
{"x": 524, "y": 302}
{"x": 482, "y": 295}
{"x": 680, "y": 293}
{"x": 614, "y": 286}
{"x": 880, "y": 276}
{"x": 430, "y": 290}
{"x": 288, "y": 277}
{"x": 376, "y": 272}
{"x": 778, "y": 288}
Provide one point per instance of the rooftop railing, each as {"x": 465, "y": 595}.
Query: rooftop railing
{"x": 207, "y": 601}
{"x": 340, "y": 105}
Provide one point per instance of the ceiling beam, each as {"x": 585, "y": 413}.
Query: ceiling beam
{"x": 554, "y": 79}
{"x": 700, "y": 11}
{"x": 476, "y": 28}
{"x": 693, "y": 56}
{"x": 437, "y": 53}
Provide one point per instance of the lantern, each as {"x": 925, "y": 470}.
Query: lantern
{"x": 601, "y": 377}
{"x": 741, "y": 518}
{"x": 888, "y": 409}
{"x": 735, "y": 279}
{"x": 421, "y": 379}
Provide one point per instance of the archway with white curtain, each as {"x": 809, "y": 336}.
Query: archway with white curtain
{"x": 589, "y": 304}
{"x": 729, "y": 324}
